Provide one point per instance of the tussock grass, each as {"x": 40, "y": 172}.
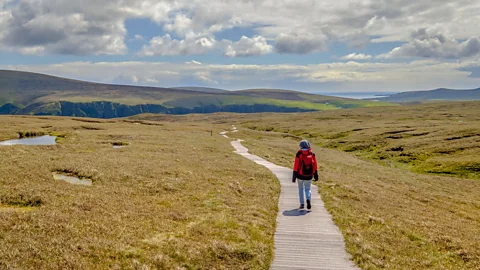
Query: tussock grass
{"x": 176, "y": 198}
{"x": 21, "y": 199}
{"x": 391, "y": 218}
{"x": 396, "y": 180}
{"x": 440, "y": 138}
{"x": 89, "y": 128}
{"x": 29, "y": 134}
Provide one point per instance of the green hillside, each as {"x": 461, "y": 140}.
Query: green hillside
{"x": 201, "y": 89}
{"x": 434, "y": 95}
{"x": 37, "y": 94}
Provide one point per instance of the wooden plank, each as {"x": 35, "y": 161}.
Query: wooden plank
{"x": 304, "y": 239}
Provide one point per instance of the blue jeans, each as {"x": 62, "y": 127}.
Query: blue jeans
{"x": 304, "y": 184}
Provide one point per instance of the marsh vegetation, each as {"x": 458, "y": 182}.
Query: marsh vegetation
{"x": 171, "y": 199}
{"x": 383, "y": 176}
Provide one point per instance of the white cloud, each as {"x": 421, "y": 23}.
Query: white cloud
{"x": 205, "y": 77}
{"x": 93, "y": 27}
{"x": 138, "y": 37}
{"x": 35, "y": 27}
{"x": 355, "y": 56}
{"x": 300, "y": 43}
{"x": 340, "y": 76}
{"x": 134, "y": 79}
{"x": 433, "y": 43}
{"x": 248, "y": 47}
{"x": 167, "y": 46}
{"x": 181, "y": 25}
{"x": 193, "y": 62}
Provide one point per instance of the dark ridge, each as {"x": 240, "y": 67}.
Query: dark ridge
{"x": 104, "y": 109}
{"x": 438, "y": 94}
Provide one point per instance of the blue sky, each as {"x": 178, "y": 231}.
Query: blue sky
{"x": 312, "y": 46}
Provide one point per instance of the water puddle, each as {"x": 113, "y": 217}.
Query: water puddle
{"x": 72, "y": 179}
{"x": 119, "y": 145}
{"x": 43, "y": 140}
{"x": 224, "y": 134}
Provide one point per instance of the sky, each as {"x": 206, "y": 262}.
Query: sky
{"x": 307, "y": 45}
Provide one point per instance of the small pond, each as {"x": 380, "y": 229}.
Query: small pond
{"x": 43, "y": 140}
{"x": 72, "y": 179}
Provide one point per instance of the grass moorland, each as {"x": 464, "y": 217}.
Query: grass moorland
{"x": 439, "y": 138}
{"x": 174, "y": 198}
{"x": 26, "y": 93}
{"x": 394, "y": 210}
{"x": 391, "y": 218}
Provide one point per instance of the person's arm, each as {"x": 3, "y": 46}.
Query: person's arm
{"x": 315, "y": 168}
{"x": 295, "y": 169}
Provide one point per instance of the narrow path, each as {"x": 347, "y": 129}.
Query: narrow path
{"x": 303, "y": 239}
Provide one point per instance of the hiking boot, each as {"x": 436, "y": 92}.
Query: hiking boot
{"x": 302, "y": 206}
{"x": 309, "y": 206}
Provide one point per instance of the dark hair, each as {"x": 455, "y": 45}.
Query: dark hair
{"x": 305, "y": 144}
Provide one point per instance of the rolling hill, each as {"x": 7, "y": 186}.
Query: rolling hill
{"x": 437, "y": 94}
{"x": 38, "y": 94}
{"x": 201, "y": 89}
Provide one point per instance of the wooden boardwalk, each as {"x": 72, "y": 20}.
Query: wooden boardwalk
{"x": 303, "y": 239}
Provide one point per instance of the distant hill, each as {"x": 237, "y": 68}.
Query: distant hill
{"x": 38, "y": 94}
{"x": 438, "y": 94}
{"x": 201, "y": 89}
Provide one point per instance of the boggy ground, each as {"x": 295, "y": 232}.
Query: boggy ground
{"x": 404, "y": 191}
{"x": 175, "y": 197}
{"x": 391, "y": 218}
{"x": 436, "y": 138}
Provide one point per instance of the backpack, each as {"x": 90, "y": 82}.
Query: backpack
{"x": 306, "y": 164}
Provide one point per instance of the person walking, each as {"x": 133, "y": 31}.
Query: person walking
{"x": 304, "y": 170}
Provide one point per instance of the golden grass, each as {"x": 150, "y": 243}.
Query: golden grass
{"x": 174, "y": 198}
{"x": 387, "y": 190}
{"x": 440, "y": 138}
{"x": 391, "y": 218}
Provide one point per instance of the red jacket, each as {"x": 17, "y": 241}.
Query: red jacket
{"x": 297, "y": 168}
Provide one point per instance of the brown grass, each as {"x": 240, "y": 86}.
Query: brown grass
{"x": 438, "y": 138}
{"x": 391, "y": 217}
{"x": 174, "y": 198}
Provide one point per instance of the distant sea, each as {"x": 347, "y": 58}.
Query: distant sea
{"x": 358, "y": 95}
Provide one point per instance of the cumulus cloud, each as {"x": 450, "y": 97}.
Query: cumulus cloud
{"x": 355, "y": 56}
{"x": 180, "y": 24}
{"x": 433, "y": 43}
{"x": 167, "y": 46}
{"x": 92, "y": 27}
{"x": 248, "y": 47}
{"x": 193, "y": 62}
{"x": 35, "y": 27}
{"x": 300, "y": 43}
